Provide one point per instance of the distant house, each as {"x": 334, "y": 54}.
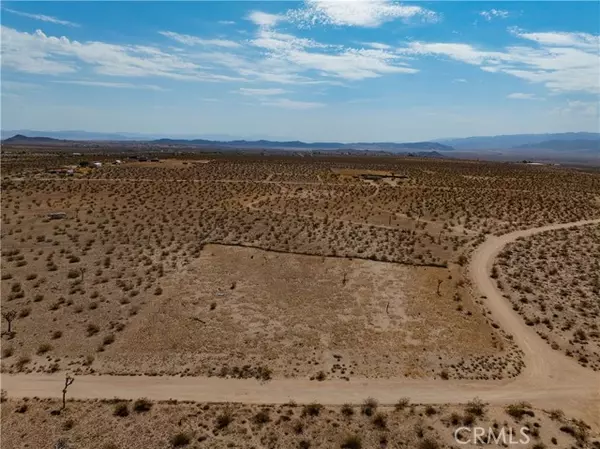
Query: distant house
{"x": 97, "y": 164}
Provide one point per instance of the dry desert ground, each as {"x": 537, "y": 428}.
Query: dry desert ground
{"x": 327, "y": 274}
{"x": 143, "y": 424}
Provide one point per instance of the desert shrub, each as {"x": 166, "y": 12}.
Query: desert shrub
{"x": 92, "y": 329}
{"x": 380, "y": 420}
{"x": 347, "y": 410}
{"x": 298, "y": 427}
{"x": 351, "y": 442}
{"x": 224, "y": 419}
{"x": 142, "y": 405}
{"x": 468, "y": 419}
{"x": 430, "y": 410}
{"x": 68, "y": 424}
{"x": 7, "y": 351}
{"x": 262, "y": 417}
{"x": 121, "y": 409}
{"x": 56, "y": 335}
{"x": 454, "y": 418}
{"x": 43, "y": 348}
{"x": 312, "y": 409}
{"x": 23, "y": 360}
{"x": 108, "y": 339}
{"x": 556, "y": 415}
{"x": 475, "y": 407}
{"x": 263, "y": 373}
{"x": 304, "y": 444}
{"x": 369, "y": 406}
{"x": 180, "y": 439}
{"x": 519, "y": 410}
{"x": 402, "y": 404}
{"x": 428, "y": 443}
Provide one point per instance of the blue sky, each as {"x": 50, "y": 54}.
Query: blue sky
{"x": 334, "y": 70}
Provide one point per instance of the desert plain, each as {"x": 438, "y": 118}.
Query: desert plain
{"x": 265, "y": 301}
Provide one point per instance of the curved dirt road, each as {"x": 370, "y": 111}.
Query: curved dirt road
{"x": 549, "y": 380}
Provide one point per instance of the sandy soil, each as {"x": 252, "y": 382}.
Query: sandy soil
{"x": 549, "y": 379}
{"x": 299, "y": 316}
{"x": 118, "y": 424}
{"x": 553, "y": 281}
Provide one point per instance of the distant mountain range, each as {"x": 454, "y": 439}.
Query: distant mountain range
{"x": 538, "y": 141}
{"x": 564, "y": 145}
{"x": 21, "y": 139}
{"x": 581, "y": 142}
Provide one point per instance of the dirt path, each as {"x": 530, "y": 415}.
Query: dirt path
{"x": 550, "y": 379}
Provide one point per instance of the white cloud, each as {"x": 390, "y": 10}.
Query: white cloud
{"x": 42, "y": 54}
{"x": 494, "y": 14}
{"x": 41, "y": 17}
{"x": 459, "y": 80}
{"x": 579, "y": 108}
{"x": 186, "y": 39}
{"x": 226, "y": 22}
{"x": 331, "y": 61}
{"x": 111, "y": 84}
{"x": 291, "y": 104}
{"x": 578, "y": 40}
{"x": 261, "y": 92}
{"x": 264, "y": 19}
{"x": 521, "y": 96}
{"x": 567, "y": 68}
{"x": 378, "y": 45}
{"x": 363, "y": 13}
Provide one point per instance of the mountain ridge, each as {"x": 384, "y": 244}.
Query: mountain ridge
{"x": 555, "y": 142}
{"x": 21, "y": 139}
{"x": 509, "y": 141}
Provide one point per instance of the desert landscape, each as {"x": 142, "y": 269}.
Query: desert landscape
{"x": 553, "y": 281}
{"x": 113, "y": 424}
{"x": 239, "y": 283}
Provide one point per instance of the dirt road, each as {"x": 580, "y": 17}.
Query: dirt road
{"x": 550, "y": 379}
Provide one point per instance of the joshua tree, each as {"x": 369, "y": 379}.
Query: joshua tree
{"x": 9, "y": 316}
{"x": 68, "y": 381}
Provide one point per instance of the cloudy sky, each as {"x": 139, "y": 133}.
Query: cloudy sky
{"x": 336, "y": 70}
